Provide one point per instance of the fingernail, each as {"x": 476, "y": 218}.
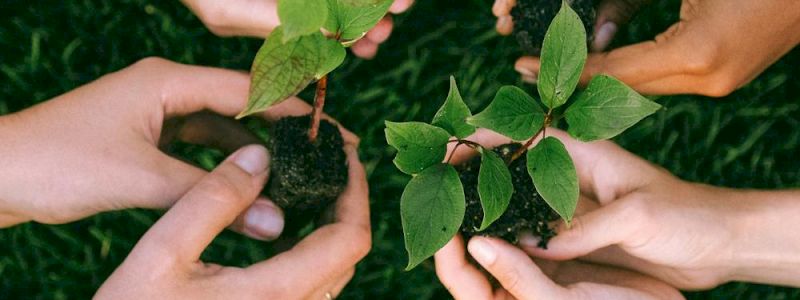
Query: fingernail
{"x": 252, "y": 159}
{"x": 482, "y": 251}
{"x": 604, "y": 35}
{"x": 264, "y": 220}
{"x": 529, "y": 240}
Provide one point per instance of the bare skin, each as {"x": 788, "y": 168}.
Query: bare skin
{"x": 257, "y": 18}
{"x": 716, "y": 47}
{"x": 638, "y": 217}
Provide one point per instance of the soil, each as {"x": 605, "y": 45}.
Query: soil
{"x": 533, "y": 17}
{"x": 305, "y": 178}
{"x": 526, "y": 211}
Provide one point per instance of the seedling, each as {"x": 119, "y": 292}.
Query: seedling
{"x": 518, "y": 189}
{"x": 309, "y": 168}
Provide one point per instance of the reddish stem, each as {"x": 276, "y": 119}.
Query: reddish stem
{"x": 316, "y": 111}
{"x": 547, "y": 120}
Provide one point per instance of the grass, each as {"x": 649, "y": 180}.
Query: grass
{"x": 748, "y": 139}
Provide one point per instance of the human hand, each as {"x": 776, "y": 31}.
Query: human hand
{"x": 522, "y": 278}
{"x": 95, "y": 148}
{"x": 637, "y": 216}
{"x": 257, "y": 18}
{"x": 165, "y": 263}
{"x": 716, "y": 47}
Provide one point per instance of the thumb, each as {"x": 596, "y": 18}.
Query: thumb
{"x": 611, "y": 14}
{"x": 213, "y": 204}
{"x": 609, "y": 225}
{"x": 514, "y": 270}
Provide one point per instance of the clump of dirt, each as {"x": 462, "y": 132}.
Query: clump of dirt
{"x": 526, "y": 211}
{"x": 533, "y": 17}
{"x": 305, "y": 177}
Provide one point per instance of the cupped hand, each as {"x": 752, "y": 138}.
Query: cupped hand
{"x": 257, "y": 18}
{"x": 165, "y": 263}
{"x": 95, "y": 149}
{"x": 716, "y": 47}
{"x": 640, "y": 217}
{"x": 522, "y": 278}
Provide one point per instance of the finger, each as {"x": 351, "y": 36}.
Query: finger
{"x": 618, "y": 11}
{"x": 213, "y": 204}
{"x": 365, "y": 49}
{"x": 211, "y": 130}
{"x": 329, "y": 251}
{"x": 595, "y": 279}
{"x": 505, "y": 25}
{"x": 609, "y": 225}
{"x": 381, "y": 32}
{"x": 461, "y": 278}
{"x": 400, "y": 6}
{"x": 503, "y": 7}
{"x": 263, "y": 220}
{"x": 514, "y": 270}
{"x": 528, "y": 67}
{"x": 334, "y": 289}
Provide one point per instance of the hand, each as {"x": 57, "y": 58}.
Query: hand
{"x": 94, "y": 149}
{"x": 715, "y": 48}
{"x": 165, "y": 264}
{"x": 638, "y": 216}
{"x": 521, "y": 278}
{"x": 257, "y": 18}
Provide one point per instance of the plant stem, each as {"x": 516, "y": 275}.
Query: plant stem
{"x": 316, "y": 111}
{"x": 547, "y": 120}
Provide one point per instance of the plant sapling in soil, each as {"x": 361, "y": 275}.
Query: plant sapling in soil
{"x": 308, "y": 165}
{"x": 518, "y": 186}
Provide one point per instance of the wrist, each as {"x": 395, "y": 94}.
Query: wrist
{"x": 766, "y": 246}
{"x": 10, "y": 211}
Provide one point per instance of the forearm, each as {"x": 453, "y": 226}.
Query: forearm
{"x": 9, "y": 211}
{"x": 767, "y": 245}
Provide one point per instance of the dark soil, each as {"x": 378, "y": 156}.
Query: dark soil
{"x": 305, "y": 178}
{"x": 526, "y": 211}
{"x": 533, "y": 17}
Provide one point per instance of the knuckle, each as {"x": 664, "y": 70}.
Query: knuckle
{"x": 151, "y": 62}
{"x": 718, "y": 85}
{"x": 510, "y": 279}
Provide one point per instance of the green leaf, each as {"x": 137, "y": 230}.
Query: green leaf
{"x": 605, "y": 109}
{"x": 431, "y": 209}
{"x": 563, "y": 57}
{"x": 360, "y": 2}
{"x": 281, "y": 70}
{"x": 301, "y": 17}
{"x": 554, "y": 176}
{"x": 352, "y": 22}
{"x": 512, "y": 113}
{"x": 418, "y": 145}
{"x": 453, "y": 114}
{"x": 494, "y": 187}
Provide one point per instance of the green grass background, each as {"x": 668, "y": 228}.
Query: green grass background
{"x": 748, "y": 139}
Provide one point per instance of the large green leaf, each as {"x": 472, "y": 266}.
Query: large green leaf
{"x": 512, "y": 113}
{"x": 554, "y": 176}
{"x": 563, "y": 57}
{"x": 281, "y": 70}
{"x": 605, "y": 109}
{"x": 494, "y": 187}
{"x": 453, "y": 114}
{"x": 360, "y": 2}
{"x": 301, "y": 17}
{"x": 352, "y": 22}
{"x": 418, "y": 145}
{"x": 432, "y": 209}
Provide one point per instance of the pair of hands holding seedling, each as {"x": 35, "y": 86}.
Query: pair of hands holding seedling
{"x": 638, "y": 232}
{"x": 96, "y": 149}
{"x": 716, "y": 47}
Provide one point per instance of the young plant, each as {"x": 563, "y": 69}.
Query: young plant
{"x": 309, "y": 168}
{"x": 512, "y": 183}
